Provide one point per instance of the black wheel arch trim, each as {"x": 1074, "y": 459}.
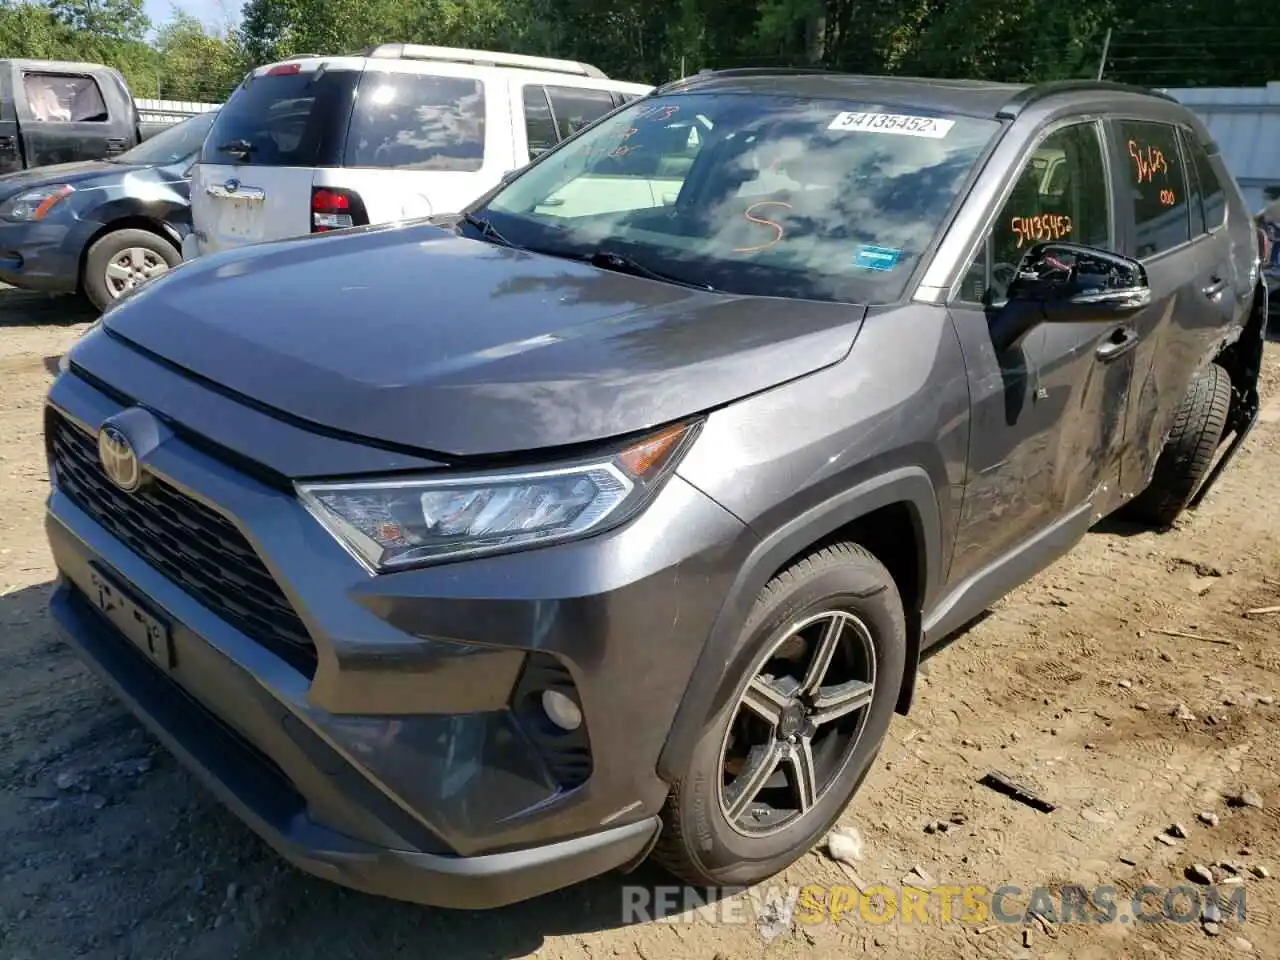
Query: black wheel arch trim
{"x": 724, "y": 653}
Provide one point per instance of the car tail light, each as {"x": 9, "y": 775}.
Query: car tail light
{"x": 334, "y": 209}
{"x": 284, "y": 70}
{"x": 1264, "y": 246}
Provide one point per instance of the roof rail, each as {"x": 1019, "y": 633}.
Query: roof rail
{"x": 712, "y": 74}
{"x": 484, "y": 58}
{"x": 1039, "y": 91}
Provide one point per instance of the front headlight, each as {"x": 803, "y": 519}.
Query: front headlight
{"x": 393, "y": 524}
{"x": 35, "y": 204}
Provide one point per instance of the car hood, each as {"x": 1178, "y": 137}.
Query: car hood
{"x": 11, "y": 184}
{"x": 413, "y": 336}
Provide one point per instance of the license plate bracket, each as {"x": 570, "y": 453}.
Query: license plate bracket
{"x": 131, "y": 617}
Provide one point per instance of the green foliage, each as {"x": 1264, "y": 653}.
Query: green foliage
{"x": 1152, "y": 42}
{"x": 102, "y": 20}
{"x": 197, "y": 64}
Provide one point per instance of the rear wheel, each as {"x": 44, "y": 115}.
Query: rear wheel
{"x": 1188, "y": 454}
{"x": 123, "y": 259}
{"x": 778, "y": 765}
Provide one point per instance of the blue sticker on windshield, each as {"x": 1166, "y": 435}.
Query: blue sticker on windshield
{"x": 877, "y": 258}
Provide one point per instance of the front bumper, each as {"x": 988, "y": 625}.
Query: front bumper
{"x": 42, "y": 256}
{"x": 402, "y": 765}
{"x": 256, "y": 791}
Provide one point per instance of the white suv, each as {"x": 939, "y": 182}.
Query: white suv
{"x": 401, "y": 131}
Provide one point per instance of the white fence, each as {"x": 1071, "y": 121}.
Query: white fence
{"x": 171, "y": 111}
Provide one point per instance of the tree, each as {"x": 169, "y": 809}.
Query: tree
{"x": 119, "y": 20}
{"x": 197, "y": 64}
{"x": 28, "y": 30}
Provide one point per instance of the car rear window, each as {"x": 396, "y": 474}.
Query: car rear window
{"x": 172, "y": 144}
{"x": 1214, "y": 197}
{"x": 417, "y": 121}
{"x": 284, "y": 120}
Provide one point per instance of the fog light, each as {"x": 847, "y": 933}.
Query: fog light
{"x": 564, "y": 713}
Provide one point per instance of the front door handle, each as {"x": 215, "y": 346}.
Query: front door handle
{"x": 1121, "y": 341}
{"x": 1215, "y": 287}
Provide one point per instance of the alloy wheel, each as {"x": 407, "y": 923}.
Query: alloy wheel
{"x": 131, "y": 267}
{"x": 797, "y": 722}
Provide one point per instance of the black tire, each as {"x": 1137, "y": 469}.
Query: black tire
{"x": 1188, "y": 453}
{"x": 698, "y": 844}
{"x": 108, "y": 247}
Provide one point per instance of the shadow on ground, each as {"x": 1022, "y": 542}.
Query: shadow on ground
{"x": 91, "y": 806}
{"x": 24, "y": 308}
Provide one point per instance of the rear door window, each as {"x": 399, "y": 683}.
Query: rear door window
{"x": 1157, "y": 186}
{"x": 284, "y": 120}
{"x": 575, "y": 108}
{"x": 539, "y": 125}
{"x": 417, "y": 121}
{"x": 64, "y": 98}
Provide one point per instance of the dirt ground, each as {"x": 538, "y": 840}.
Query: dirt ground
{"x": 1128, "y": 684}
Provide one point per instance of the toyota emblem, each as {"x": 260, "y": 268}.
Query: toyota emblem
{"x": 119, "y": 461}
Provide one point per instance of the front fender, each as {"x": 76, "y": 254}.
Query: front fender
{"x": 726, "y": 653}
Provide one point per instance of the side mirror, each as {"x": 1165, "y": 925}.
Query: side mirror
{"x": 1069, "y": 283}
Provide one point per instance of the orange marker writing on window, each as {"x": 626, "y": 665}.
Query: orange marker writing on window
{"x": 778, "y": 229}
{"x": 1148, "y": 161}
{"x": 1047, "y": 226}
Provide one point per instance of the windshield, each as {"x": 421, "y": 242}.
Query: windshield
{"x": 173, "y": 144}
{"x": 751, "y": 194}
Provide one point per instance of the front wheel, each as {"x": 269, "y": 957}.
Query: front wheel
{"x": 123, "y": 259}
{"x": 781, "y": 761}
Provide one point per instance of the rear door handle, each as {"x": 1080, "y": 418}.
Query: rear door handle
{"x": 1120, "y": 342}
{"x": 7, "y": 143}
{"x": 1215, "y": 287}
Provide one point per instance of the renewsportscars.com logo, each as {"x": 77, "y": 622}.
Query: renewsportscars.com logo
{"x": 774, "y": 907}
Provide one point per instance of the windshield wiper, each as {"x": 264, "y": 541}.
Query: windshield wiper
{"x": 487, "y": 230}
{"x": 608, "y": 260}
{"x": 239, "y": 148}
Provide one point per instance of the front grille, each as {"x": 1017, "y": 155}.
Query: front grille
{"x": 195, "y": 547}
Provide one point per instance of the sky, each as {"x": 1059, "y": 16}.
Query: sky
{"x": 213, "y": 13}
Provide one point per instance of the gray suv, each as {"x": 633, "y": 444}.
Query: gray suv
{"x": 614, "y": 517}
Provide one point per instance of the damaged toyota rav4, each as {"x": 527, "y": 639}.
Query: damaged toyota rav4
{"x": 611, "y": 518}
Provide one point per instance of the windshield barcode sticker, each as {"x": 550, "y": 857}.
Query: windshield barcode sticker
{"x": 932, "y": 128}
